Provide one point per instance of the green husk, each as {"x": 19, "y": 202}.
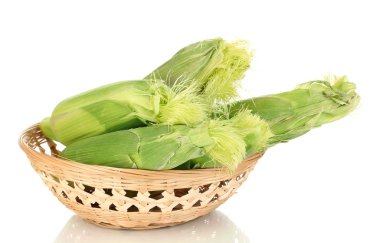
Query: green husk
{"x": 214, "y": 66}
{"x": 46, "y": 129}
{"x": 122, "y": 105}
{"x": 162, "y": 147}
{"x": 294, "y": 113}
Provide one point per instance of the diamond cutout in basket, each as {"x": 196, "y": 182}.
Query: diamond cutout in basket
{"x": 224, "y": 183}
{"x": 204, "y": 188}
{"x": 130, "y": 194}
{"x": 95, "y": 205}
{"x": 71, "y": 184}
{"x": 78, "y": 200}
{"x": 197, "y": 204}
{"x": 88, "y": 189}
{"x": 64, "y": 194}
{"x": 214, "y": 198}
{"x": 112, "y": 207}
{"x": 178, "y": 207}
{"x": 155, "y": 209}
{"x": 108, "y": 191}
{"x": 133, "y": 208}
{"x": 157, "y": 195}
{"x": 181, "y": 192}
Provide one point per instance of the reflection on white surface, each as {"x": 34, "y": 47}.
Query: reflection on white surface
{"x": 215, "y": 227}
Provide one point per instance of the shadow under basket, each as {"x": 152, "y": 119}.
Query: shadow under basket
{"x": 131, "y": 198}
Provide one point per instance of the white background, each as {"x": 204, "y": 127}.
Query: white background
{"x": 321, "y": 187}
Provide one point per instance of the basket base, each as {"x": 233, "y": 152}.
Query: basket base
{"x": 136, "y": 220}
{"x": 150, "y": 226}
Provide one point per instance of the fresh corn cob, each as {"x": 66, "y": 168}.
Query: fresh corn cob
{"x": 164, "y": 147}
{"x": 294, "y": 113}
{"x": 122, "y": 105}
{"x": 214, "y": 66}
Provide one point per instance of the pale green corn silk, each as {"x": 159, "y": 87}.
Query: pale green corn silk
{"x": 214, "y": 66}
{"x": 181, "y": 105}
{"x": 250, "y": 131}
{"x": 161, "y": 147}
{"x": 256, "y": 131}
{"x": 122, "y": 105}
{"x": 293, "y": 113}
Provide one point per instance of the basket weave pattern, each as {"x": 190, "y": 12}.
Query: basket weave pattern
{"x": 131, "y": 198}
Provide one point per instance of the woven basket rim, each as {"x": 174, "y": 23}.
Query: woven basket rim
{"x": 63, "y": 163}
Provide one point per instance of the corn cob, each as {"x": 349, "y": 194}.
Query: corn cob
{"x": 162, "y": 147}
{"x": 214, "y": 66}
{"x": 122, "y": 105}
{"x": 294, "y": 113}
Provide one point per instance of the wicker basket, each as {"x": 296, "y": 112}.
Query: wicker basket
{"x": 131, "y": 198}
